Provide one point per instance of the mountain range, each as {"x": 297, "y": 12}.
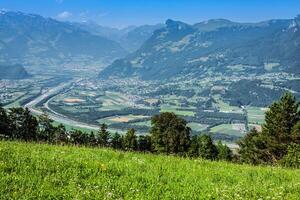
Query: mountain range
{"x": 180, "y": 49}
{"x": 130, "y": 38}
{"x": 161, "y": 51}
{"x": 34, "y": 40}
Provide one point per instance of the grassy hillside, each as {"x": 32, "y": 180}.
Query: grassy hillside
{"x": 35, "y": 171}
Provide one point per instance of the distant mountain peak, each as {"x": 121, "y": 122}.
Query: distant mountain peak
{"x": 177, "y": 25}
{"x": 214, "y": 46}
{"x": 61, "y": 42}
{"x": 219, "y": 21}
{"x": 214, "y": 24}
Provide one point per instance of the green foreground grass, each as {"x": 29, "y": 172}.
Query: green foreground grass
{"x": 39, "y": 171}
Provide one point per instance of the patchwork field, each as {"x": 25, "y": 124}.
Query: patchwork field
{"x": 229, "y": 129}
{"x": 39, "y": 171}
{"x": 175, "y": 109}
{"x": 256, "y": 115}
{"x": 197, "y": 127}
{"x": 120, "y": 119}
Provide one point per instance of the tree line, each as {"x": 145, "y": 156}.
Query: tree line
{"x": 169, "y": 134}
{"x": 277, "y": 144}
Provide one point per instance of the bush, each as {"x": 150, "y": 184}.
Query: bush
{"x": 292, "y": 158}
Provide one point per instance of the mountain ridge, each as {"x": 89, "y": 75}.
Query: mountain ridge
{"x": 130, "y": 38}
{"x": 181, "y": 49}
{"x": 34, "y": 40}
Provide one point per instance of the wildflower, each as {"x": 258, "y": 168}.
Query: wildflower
{"x": 103, "y": 167}
{"x": 109, "y": 194}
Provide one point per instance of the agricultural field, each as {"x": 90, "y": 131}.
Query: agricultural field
{"x": 40, "y": 171}
{"x": 121, "y": 119}
{"x": 229, "y": 129}
{"x": 197, "y": 127}
{"x": 175, "y": 109}
{"x": 225, "y": 107}
{"x": 16, "y": 93}
{"x": 121, "y": 102}
{"x": 256, "y": 115}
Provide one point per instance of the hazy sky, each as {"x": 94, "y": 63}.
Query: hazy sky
{"x": 121, "y": 13}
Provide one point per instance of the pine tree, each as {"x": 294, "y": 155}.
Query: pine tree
{"x": 46, "y": 129}
{"x": 61, "y": 135}
{"x": 169, "y": 134}
{"x": 292, "y": 158}
{"x": 130, "y": 140}
{"x": 24, "y": 126}
{"x": 194, "y": 147}
{"x": 144, "y": 143}
{"x": 79, "y": 138}
{"x": 92, "y": 139}
{"x": 296, "y": 133}
{"x": 279, "y": 131}
{"x": 117, "y": 141}
{"x": 104, "y": 136}
{"x": 224, "y": 152}
{"x": 207, "y": 149}
{"x": 4, "y": 123}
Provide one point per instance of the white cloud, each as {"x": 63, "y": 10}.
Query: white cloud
{"x": 64, "y": 15}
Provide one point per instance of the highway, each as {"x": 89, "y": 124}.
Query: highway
{"x": 54, "y": 115}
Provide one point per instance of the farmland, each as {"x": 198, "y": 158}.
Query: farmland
{"x": 39, "y": 171}
{"x": 206, "y": 103}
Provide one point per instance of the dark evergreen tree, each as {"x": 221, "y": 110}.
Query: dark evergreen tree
{"x": 144, "y": 143}
{"x": 93, "y": 139}
{"x": 4, "y": 123}
{"x": 24, "y": 126}
{"x": 130, "y": 140}
{"x": 79, "y": 138}
{"x": 61, "y": 135}
{"x": 194, "y": 147}
{"x": 292, "y": 158}
{"x": 46, "y": 129}
{"x": 117, "y": 141}
{"x": 104, "y": 136}
{"x": 207, "y": 149}
{"x": 296, "y": 133}
{"x": 170, "y": 134}
{"x": 224, "y": 152}
{"x": 270, "y": 145}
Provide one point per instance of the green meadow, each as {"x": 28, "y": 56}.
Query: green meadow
{"x": 41, "y": 171}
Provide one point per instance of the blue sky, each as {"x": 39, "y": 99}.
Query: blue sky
{"x": 121, "y": 13}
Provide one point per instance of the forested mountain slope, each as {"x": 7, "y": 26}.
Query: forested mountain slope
{"x": 214, "y": 46}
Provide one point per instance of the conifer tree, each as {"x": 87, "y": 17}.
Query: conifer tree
{"x": 24, "y": 126}
{"x": 104, "y": 136}
{"x": 279, "y": 131}
{"x": 130, "y": 140}
{"x": 4, "y": 123}
{"x": 46, "y": 129}
{"x": 194, "y": 147}
{"x": 144, "y": 143}
{"x": 169, "y": 134}
{"x": 207, "y": 149}
{"x": 61, "y": 135}
{"x": 117, "y": 141}
{"x": 224, "y": 152}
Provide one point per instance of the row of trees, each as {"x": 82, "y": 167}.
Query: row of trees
{"x": 169, "y": 135}
{"x": 277, "y": 143}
